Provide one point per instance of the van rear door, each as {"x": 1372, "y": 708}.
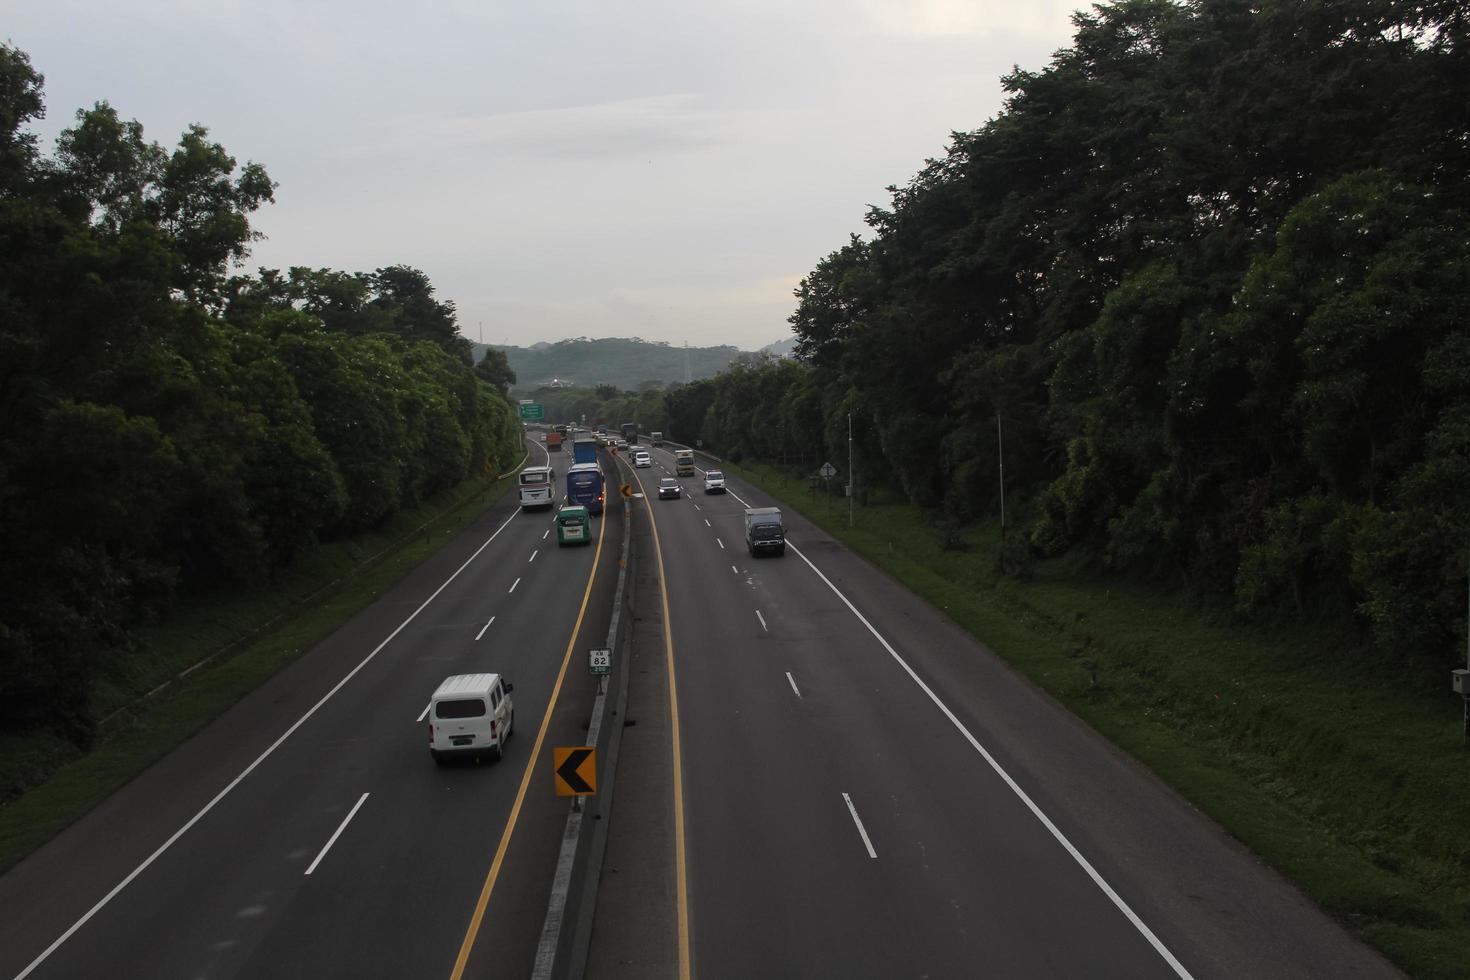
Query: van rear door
{"x": 460, "y": 722}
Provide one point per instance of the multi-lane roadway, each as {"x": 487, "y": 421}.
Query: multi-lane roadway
{"x": 832, "y": 780}
{"x": 862, "y": 790}
{"x": 307, "y": 833}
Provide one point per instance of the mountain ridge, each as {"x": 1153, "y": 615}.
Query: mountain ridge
{"x": 629, "y": 363}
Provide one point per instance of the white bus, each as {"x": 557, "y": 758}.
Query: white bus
{"x": 538, "y": 486}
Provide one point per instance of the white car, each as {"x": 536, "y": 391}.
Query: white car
{"x": 641, "y": 459}
{"x": 714, "y": 481}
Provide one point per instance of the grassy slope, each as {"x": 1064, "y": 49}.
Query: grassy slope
{"x": 258, "y": 634}
{"x": 1350, "y": 782}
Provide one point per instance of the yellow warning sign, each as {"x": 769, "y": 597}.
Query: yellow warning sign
{"x": 575, "y": 770}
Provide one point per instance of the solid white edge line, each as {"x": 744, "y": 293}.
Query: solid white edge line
{"x": 1036, "y": 811}
{"x": 763, "y": 621}
{"x": 251, "y": 768}
{"x": 482, "y": 632}
{"x": 794, "y": 689}
{"x": 340, "y": 827}
{"x": 861, "y": 830}
{"x": 513, "y": 586}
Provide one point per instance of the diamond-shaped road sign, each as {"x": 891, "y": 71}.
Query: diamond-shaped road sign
{"x": 828, "y": 470}
{"x": 576, "y": 770}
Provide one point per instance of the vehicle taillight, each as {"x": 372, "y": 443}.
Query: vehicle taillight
{"x": 492, "y": 726}
{"x": 431, "y": 733}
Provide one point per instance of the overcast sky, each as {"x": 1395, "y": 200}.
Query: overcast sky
{"x": 607, "y": 168}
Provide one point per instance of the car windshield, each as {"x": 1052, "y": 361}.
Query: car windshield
{"x": 713, "y": 475}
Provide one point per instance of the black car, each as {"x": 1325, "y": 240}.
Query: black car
{"x": 668, "y": 488}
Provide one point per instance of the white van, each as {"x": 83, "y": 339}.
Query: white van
{"x": 470, "y": 715}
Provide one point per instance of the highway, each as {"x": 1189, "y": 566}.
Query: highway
{"x": 307, "y": 833}
{"x": 824, "y": 777}
{"x": 862, "y": 790}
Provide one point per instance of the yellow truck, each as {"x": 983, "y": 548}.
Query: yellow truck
{"x": 684, "y": 462}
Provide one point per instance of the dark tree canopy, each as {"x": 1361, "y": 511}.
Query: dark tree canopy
{"x": 169, "y": 425}
{"x": 1208, "y": 269}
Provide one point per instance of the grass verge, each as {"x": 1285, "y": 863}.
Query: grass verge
{"x": 1349, "y": 779}
{"x": 251, "y": 635}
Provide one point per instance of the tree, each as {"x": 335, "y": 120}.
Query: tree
{"x": 494, "y": 369}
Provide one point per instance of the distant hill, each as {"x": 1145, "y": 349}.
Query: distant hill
{"x": 781, "y": 348}
{"x": 625, "y": 362}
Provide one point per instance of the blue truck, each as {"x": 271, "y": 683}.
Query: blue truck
{"x": 585, "y": 487}
{"x": 584, "y": 448}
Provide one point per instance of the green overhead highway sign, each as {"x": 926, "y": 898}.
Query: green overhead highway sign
{"x": 531, "y": 412}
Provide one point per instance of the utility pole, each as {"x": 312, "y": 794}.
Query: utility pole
{"x": 851, "y": 477}
{"x": 1460, "y": 679}
{"x": 1000, "y": 456}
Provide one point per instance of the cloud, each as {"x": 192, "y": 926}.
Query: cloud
{"x": 625, "y": 128}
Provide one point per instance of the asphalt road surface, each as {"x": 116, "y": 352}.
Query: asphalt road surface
{"x": 862, "y": 790}
{"x": 307, "y": 833}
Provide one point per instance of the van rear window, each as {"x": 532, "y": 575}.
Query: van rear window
{"x": 460, "y": 708}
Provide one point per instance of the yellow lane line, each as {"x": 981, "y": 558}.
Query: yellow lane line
{"x": 680, "y": 872}
{"x": 515, "y": 810}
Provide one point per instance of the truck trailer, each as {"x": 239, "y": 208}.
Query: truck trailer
{"x": 764, "y": 530}
{"x": 584, "y": 449}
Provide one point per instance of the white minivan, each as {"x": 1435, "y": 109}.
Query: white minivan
{"x": 470, "y": 715}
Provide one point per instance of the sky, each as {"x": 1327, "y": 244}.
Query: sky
{"x": 558, "y": 168}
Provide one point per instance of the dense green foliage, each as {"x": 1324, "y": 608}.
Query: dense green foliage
{"x": 1209, "y": 269}
{"x": 625, "y": 363}
{"x": 604, "y": 405}
{"x": 167, "y": 425}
